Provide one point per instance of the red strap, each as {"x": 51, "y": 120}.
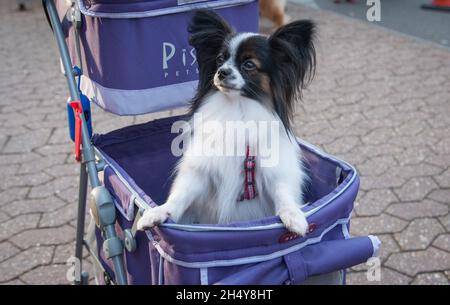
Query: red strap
{"x": 77, "y": 111}
{"x": 249, "y": 177}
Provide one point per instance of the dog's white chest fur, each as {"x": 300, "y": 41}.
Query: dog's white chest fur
{"x": 226, "y": 125}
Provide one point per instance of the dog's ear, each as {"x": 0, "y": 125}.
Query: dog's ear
{"x": 293, "y": 44}
{"x": 292, "y": 51}
{"x": 208, "y": 32}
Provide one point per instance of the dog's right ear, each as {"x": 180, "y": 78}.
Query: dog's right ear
{"x": 208, "y": 32}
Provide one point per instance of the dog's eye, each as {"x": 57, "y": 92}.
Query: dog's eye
{"x": 248, "y": 65}
{"x": 220, "y": 59}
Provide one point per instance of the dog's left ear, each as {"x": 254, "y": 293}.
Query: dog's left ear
{"x": 293, "y": 45}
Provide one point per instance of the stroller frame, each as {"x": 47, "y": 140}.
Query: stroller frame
{"x": 91, "y": 163}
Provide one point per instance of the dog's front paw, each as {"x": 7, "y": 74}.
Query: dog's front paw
{"x": 294, "y": 220}
{"x": 153, "y": 217}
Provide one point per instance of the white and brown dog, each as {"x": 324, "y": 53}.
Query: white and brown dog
{"x": 249, "y": 78}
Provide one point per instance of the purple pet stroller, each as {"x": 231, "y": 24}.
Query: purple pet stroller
{"x": 133, "y": 57}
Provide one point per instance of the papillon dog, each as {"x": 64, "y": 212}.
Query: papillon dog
{"x": 255, "y": 80}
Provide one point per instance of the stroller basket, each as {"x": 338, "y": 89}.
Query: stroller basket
{"x": 253, "y": 252}
{"x": 135, "y": 59}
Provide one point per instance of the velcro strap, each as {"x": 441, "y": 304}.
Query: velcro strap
{"x": 296, "y": 267}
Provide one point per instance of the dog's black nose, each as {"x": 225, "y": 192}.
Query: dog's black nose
{"x": 223, "y": 73}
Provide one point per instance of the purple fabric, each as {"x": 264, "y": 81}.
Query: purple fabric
{"x": 294, "y": 268}
{"x": 131, "y": 147}
{"x": 128, "y": 54}
{"x": 140, "y": 65}
{"x": 118, "y": 6}
{"x": 141, "y": 155}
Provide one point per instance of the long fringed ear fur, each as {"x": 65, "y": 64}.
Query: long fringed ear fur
{"x": 294, "y": 57}
{"x": 208, "y": 32}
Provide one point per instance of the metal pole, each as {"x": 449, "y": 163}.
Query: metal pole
{"x": 81, "y": 216}
{"x": 88, "y": 150}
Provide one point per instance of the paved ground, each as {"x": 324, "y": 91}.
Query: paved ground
{"x": 398, "y": 15}
{"x": 380, "y": 101}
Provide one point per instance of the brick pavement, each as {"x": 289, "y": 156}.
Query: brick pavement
{"x": 380, "y": 100}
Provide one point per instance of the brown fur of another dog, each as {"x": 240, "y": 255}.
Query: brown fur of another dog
{"x": 274, "y": 11}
